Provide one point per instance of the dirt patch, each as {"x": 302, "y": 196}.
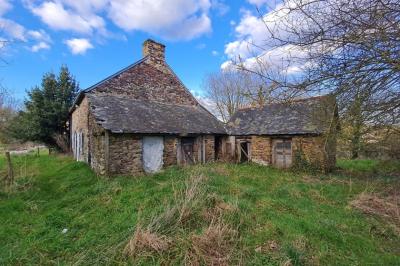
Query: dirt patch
{"x": 216, "y": 207}
{"x": 387, "y": 207}
{"x": 268, "y": 247}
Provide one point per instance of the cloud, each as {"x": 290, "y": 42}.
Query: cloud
{"x": 201, "y": 46}
{"x": 209, "y": 104}
{"x": 5, "y": 6}
{"x": 258, "y": 2}
{"x": 36, "y": 39}
{"x": 57, "y": 17}
{"x": 13, "y": 30}
{"x": 42, "y": 38}
{"x": 79, "y": 46}
{"x": 87, "y": 6}
{"x": 221, "y": 8}
{"x": 39, "y": 35}
{"x": 170, "y": 19}
{"x": 214, "y": 53}
{"x": 254, "y": 45}
{"x": 40, "y": 46}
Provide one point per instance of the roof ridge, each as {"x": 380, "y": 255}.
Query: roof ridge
{"x": 282, "y": 103}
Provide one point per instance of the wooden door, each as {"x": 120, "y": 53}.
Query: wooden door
{"x": 282, "y": 153}
{"x": 187, "y": 145}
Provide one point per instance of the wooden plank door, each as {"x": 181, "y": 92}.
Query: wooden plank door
{"x": 282, "y": 153}
{"x": 187, "y": 145}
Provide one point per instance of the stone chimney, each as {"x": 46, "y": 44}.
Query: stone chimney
{"x": 154, "y": 51}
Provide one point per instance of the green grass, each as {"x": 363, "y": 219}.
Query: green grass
{"x": 368, "y": 167}
{"x": 308, "y": 217}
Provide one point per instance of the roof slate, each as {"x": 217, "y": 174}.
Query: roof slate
{"x": 306, "y": 116}
{"x": 124, "y": 115}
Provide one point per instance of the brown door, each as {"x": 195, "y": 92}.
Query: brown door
{"x": 282, "y": 155}
{"x": 188, "y": 150}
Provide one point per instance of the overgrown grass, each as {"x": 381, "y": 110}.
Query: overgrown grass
{"x": 248, "y": 214}
{"x": 370, "y": 168}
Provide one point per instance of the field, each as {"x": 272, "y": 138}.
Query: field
{"x": 59, "y": 212}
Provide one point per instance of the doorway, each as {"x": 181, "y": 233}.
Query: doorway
{"x": 153, "y": 149}
{"x": 217, "y": 148}
{"x": 282, "y": 153}
{"x": 244, "y": 152}
{"x": 187, "y": 146}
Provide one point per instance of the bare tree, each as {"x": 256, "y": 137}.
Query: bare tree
{"x": 7, "y": 112}
{"x": 233, "y": 89}
{"x": 349, "y": 48}
{"x": 226, "y": 89}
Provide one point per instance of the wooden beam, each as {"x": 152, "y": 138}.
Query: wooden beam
{"x": 107, "y": 152}
{"x": 10, "y": 174}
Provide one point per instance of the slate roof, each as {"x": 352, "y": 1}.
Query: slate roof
{"x": 124, "y": 115}
{"x": 306, "y": 116}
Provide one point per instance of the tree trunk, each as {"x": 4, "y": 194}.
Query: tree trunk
{"x": 356, "y": 142}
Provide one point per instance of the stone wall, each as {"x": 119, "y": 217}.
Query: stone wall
{"x": 125, "y": 154}
{"x": 261, "y": 149}
{"x": 148, "y": 81}
{"x": 79, "y": 124}
{"x": 170, "y": 151}
{"x": 315, "y": 150}
{"x": 96, "y": 142}
{"x": 94, "y": 137}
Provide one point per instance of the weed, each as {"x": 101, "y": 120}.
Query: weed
{"x": 196, "y": 215}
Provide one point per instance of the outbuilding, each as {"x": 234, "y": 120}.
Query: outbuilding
{"x": 284, "y": 134}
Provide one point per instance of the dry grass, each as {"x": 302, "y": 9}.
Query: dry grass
{"x": 216, "y": 207}
{"x": 222, "y": 170}
{"x": 155, "y": 237}
{"x": 184, "y": 210}
{"x": 215, "y": 246}
{"x": 308, "y": 179}
{"x": 146, "y": 241}
{"x": 387, "y": 207}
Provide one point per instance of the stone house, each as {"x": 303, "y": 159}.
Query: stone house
{"x": 284, "y": 134}
{"x": 141, "y": 119}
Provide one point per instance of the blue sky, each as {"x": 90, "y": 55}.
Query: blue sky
{"x": 96, "y": 38}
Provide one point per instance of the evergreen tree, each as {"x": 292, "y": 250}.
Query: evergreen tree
{"x": 47, "y": 109}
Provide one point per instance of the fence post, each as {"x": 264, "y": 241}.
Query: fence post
{"x": 10, "y": 176}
